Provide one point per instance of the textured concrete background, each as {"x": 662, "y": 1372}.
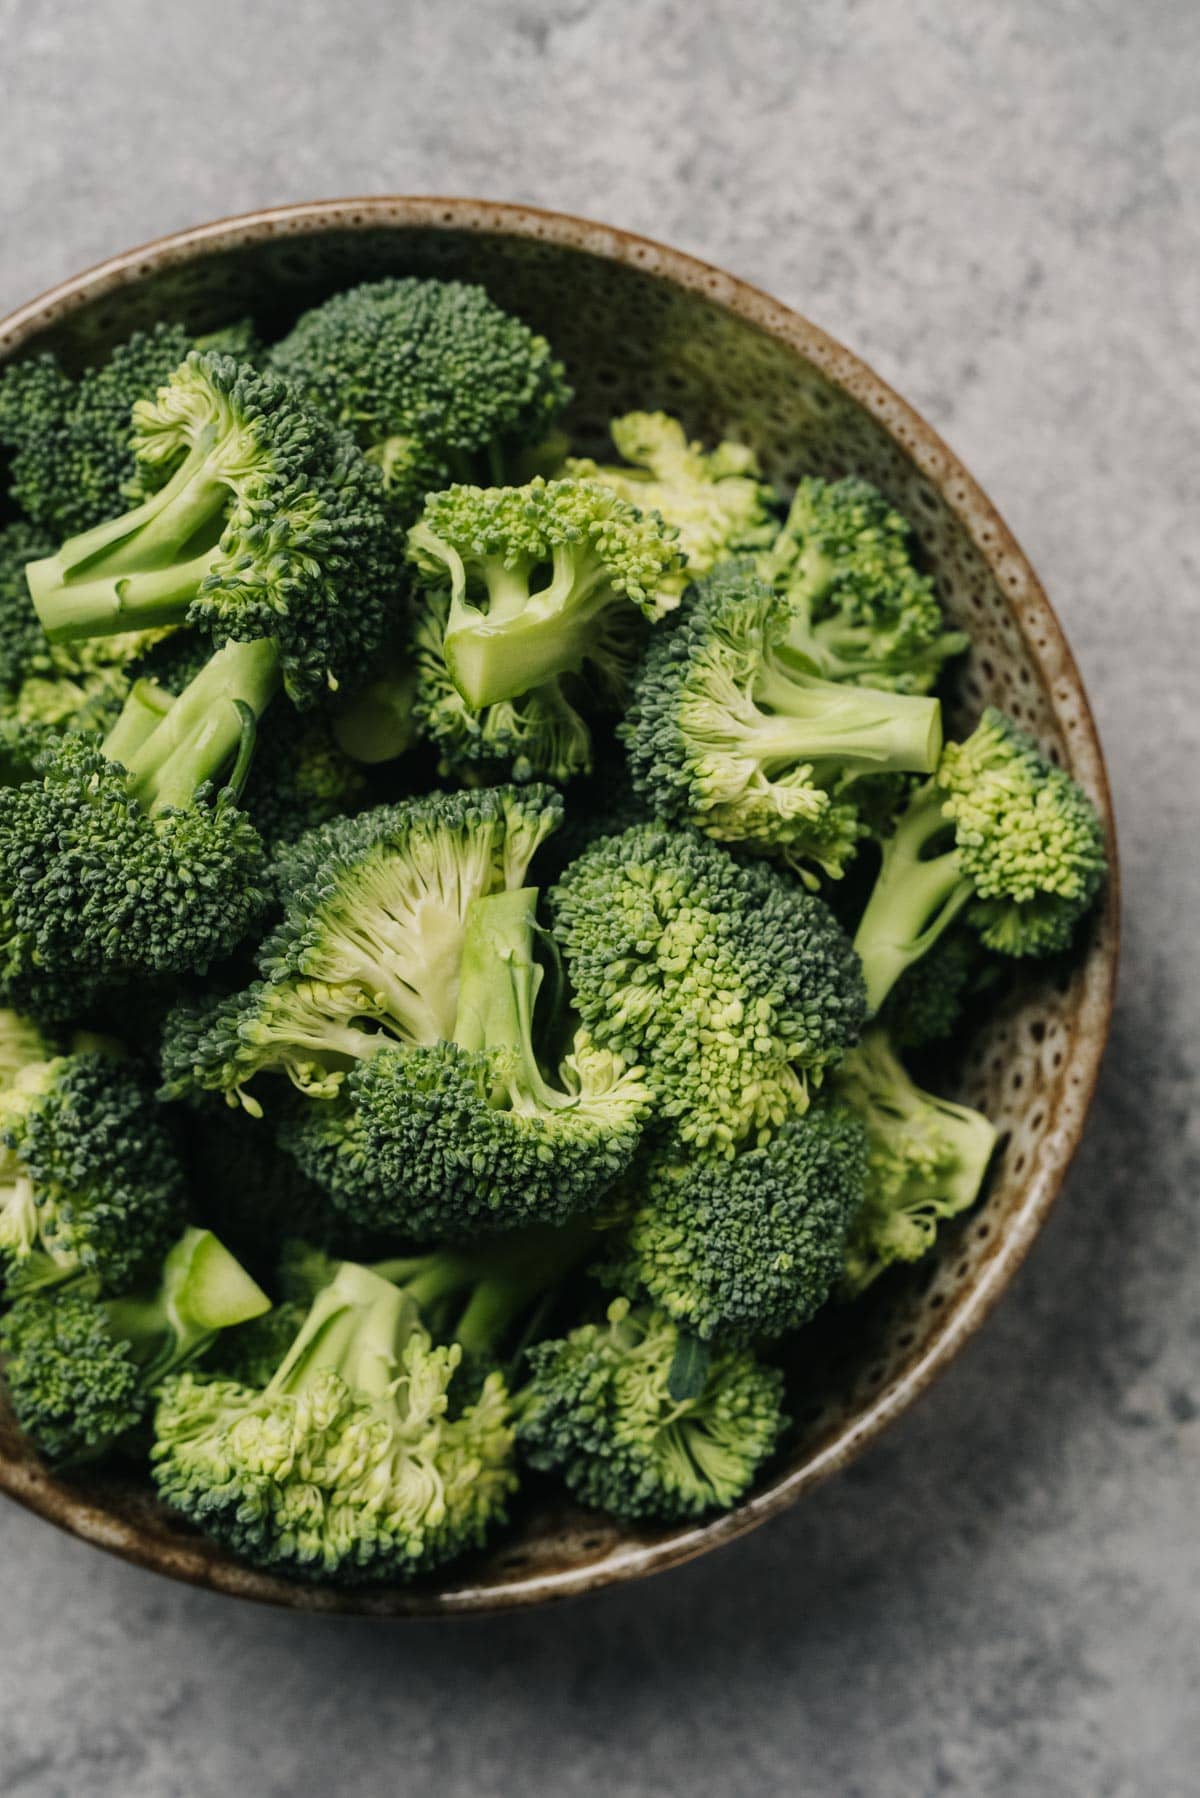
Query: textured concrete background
{"x": 996, "y": 204}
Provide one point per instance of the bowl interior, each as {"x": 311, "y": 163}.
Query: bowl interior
{"x": 639, "y": 327}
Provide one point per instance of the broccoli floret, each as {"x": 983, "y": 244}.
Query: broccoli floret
{"x": 82, "y": 1368}
{"x": 715, "y": 499}
{"x": 24, "y": 649}
{"x": 300, "y": 778}
{"x": 999, "y": 835}
{"x": 927, "y": 1002}
{"x": 733, "y": 987}
{"x": 270, "y": 524}
{"x": 729, "y": 733}
{"x": 432, "y": 377}
{"x": 751, "y": 1247}
{"x": 540, "y": 581}
{"x": 860, "y": 610}
{"x": 369, "y": 947}
{"x": 926, "y": 1161}
{"x": 347, "y": 1464}
{"x": 118, "y": 860}
{"x": 90, "y": 1180}
{"x": 603, "y": 1411}
{"x": 468, "y": 1133}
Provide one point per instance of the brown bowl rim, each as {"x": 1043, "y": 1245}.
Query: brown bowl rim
{"x": 51, "y": 1498}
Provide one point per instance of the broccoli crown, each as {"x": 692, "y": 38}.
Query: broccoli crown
{"x": 347, "y": 1463}
{"x": 369, "y": 946}
{"x": 540, "y": 580}
{"x": 750, "y": 1247}
{"x": 734, "y": 988}
{"x": 715, "y": 499}
{"x": 24, "y": 650}
{"x": 926, "y": 1161}
{"x": 81, "y": 1368}
{"x": 428, "y": 374}
{"x": 727, "y": 733}
{"x": 89, "y": 1180}
{"x": 860, "y": 610}
{"x": 1001, "y": 835}
{"x": 469, "y": 1133}
{"x": 927, "y": 1002}
{"x": 304, "y": 552}
{"x": 599, "y": 1411}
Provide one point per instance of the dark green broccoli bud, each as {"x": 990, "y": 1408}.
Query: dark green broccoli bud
{"x": 603, "y": 1412}
{"x": 369, "y": 946}
{"x": 729, "y": 733}
{"x": 927, "y": 1159}
{"x": 347, "y": 1464}
{"x": 715, "y": 499}
{"x": 860, "y": 609}
{"x": 118, "y": 861}
{"x": 1001, "y": 836}
{"x": 468, "y": 1133}
{"x": 300, "y": 778}
{"x": 752, "y": 1247}
{"x": 24, "y": 648}
{"x": 540, "y": 581}
{"x": 269, "y": 524}
{"x": 82, "y": 1369}
{"x": 90, "y": 1180}
{"x": 431, "y": 377}
{"x": 734, "y": 988}
{"x": 927, "y": 1002}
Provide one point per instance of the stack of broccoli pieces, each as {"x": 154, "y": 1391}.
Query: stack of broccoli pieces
{"x": 466, "y": 908}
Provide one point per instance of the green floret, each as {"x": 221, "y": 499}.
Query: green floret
{"x": 604, "y": 1412}
{"x": 715, "y": 499}
{"x": 370, "y": 943}
{"x": 117, "y": 860}
{"x": 82, "y": 1369}
{"x": 539, "y": 581}
{"x": 469, "y": 1133}
{"x": 860, "y": 609}
{"x": 926, "y": 1004}
{"x": 348, "y": 1463}
{"x": 752, "y": 1247}
{"x": 90, "y": 1181}
{"x": 432, "y": 377}
{"x": 728, "y": 733}
{"x": 927, "y": 1159}
{"x": 1001, "y": 836}
{"x": 731, "y": 986}
{"x": 300, "y": 778}
{"x": 270, "y": 524}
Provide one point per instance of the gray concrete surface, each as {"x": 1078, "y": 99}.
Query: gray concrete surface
{"x": 997, "y": 204}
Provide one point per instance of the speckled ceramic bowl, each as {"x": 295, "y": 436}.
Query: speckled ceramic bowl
{"x": 640, "y": 325}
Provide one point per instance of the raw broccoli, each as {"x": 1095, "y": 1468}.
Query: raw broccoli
{"x": 926, "y": 1004}
{"x": 21, "y": 1043}
{"x": 469, "y": 1133}
{"x": 751, "y": 1247}
{"x": 82, "y": 1368}
{"x": 300, "y": 777}
{"x": 348, "y": 1464}
{"x": 90, "y": 1181}
{"x": 270, "y": 524}
{"x": 733, "y": 987}
{"x": 242, "y": 1185}
{"x": 377, "y": 722}
{"x": 999, "y": 835}
{"x": 370, "y": 944}
{"x": 926, "y": 1161}
{"x": 729, "y": 733}
{"x": 118, "y": 860}
{"x": 715, "y": 499}
{"x": 435, "y": 381}
{"x": 539, "y": 581}
{"x": 859, "y": 608}
{"x": 606, "y": 1410}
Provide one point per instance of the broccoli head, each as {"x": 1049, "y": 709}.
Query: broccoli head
{"x": 728, "y": 732}
{"x": 1000, "y": 835}
{"x": 347, "y": 1464}
{"x": 605, "y": 1410}
{"x": 82, "y": 1368}
{"x": 927, "y": 1159}
{"x": 734, "y": 988}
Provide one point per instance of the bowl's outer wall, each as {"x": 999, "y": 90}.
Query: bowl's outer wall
{"x": 642, "y": 326}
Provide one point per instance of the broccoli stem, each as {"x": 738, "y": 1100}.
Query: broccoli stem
{"x": 860, "y": 730}
{"x": 356, "y": 1327}
{"x": 916, "y": 896}
{"x": 205, "y": 726}
{"x": 498, "y": 986}
{"x": 144, "y": 710}
{"x": 526, "y": 639}
{"x": 203, "y": 1290}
